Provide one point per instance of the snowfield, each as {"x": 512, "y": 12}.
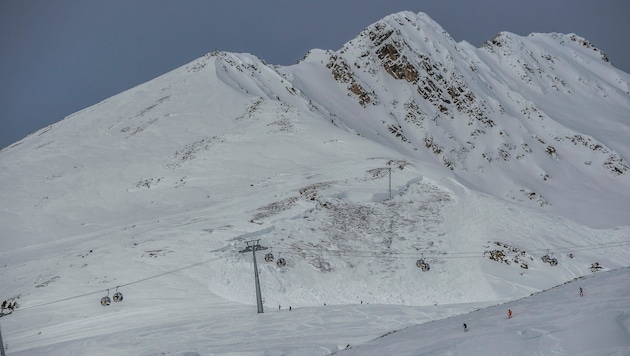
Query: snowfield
{"x": 353, "y": 167}
{"x": 554, "y": 322}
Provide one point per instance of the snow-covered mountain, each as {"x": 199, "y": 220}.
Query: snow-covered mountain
{"x": 519, "y": 118}
{"x": 351, "y": 165}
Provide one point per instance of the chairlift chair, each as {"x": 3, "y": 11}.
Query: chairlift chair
{"x": 269, "y": 257}
{"x": 553, "y": 262}
{"x": 595, "y": 267}
{"x": 118, "y": 297}
{"x": 423, "y": 265}
{"x": 105, "y": 301}
{"x": 281, "y": 262}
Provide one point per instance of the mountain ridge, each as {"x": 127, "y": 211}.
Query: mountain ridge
{"x": 443, "y": 72}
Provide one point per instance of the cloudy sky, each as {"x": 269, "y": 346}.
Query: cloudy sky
{"x": 58, "y": 57}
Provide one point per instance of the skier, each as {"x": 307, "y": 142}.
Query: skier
{"x": 465, "y": 327}
{"x": 509, "y": 313}
{"x": 581, "y": 292}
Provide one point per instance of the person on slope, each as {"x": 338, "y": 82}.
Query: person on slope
{"x": 509, "y": 313}
{"x": 581, "y": 292}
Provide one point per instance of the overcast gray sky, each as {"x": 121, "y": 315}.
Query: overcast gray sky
{"x": 60, "y": 56}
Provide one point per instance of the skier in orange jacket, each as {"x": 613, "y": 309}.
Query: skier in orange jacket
{"x": 509, "y": 313}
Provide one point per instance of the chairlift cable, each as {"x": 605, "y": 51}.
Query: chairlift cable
{"x": 447, "y": 255}
{"x": 121, "y": 285}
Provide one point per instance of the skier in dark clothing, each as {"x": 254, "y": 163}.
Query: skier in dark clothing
{"x": 581, "y": 292}
{"x": 465, "y": 327}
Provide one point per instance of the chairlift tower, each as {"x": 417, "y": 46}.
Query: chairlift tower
{"x": 254, "y": 246}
